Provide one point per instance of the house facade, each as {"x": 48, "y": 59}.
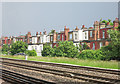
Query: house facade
{"x": 95, "y": 37}
{"x": 98, "y": 35}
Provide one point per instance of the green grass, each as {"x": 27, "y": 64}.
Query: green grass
{"x": 75, "y": 61}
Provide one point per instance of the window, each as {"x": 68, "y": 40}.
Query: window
{"x": 85, "y": 35}
{"x": 93, "y": 46}
{"x": 103, "y": 34}
{"x": 30, "y": 40}
{"x": 75, "y": 36}
{"x": 70, "y": 36}
{"x": 51, "y": 38}
{"x": 109, "y": 34}
{"x": 62, "y": 37}
{"x": 58, "y": 37}
{"x": 40, "y": 48}
{"x": 101, "y": 44}
{"x": 32, "y": 48}
{"x": 35, "y": 47}
{"x": 90, "y": 33}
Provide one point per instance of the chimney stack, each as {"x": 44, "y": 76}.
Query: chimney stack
{"x": 66, "y": 30}
{"x": 45, "y": 32}
{"x": 40, "y": 33}
{"x": 76, "y": 28}
{"x": 36, "y": 33}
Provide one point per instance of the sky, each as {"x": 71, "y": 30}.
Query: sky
{"x": 22, "y": 17}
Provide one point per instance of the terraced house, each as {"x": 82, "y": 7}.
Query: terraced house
{"x": 98, "y": 36}
{"x": 95, "y": 37}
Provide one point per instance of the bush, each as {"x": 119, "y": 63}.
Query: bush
{"x": 93, "y": 54}
{"x": 18, "y": 47}
{"x": 98, "y": 54}
{"x": 31, "y": 53}
{"x": 5, "y": 49}
{"x": 47, "y": 50}
{"x": 66, "y": 49}
{"x": 87, "y": 54}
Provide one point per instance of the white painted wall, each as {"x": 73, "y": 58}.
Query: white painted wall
{"x": 48, "y": 38}
{"x": 76, "y": 44}
{"x": 74, "y": 39}
{"x": 37, "y": 48}
{"x": 34, "y": 40}
{"x": 43, "y": 38}
{"x": 84, "y": 35}
{"x": 80, "y": 35}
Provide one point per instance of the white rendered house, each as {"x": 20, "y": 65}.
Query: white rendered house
{"x": 37, "y": 47}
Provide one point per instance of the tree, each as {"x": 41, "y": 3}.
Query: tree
{"x": 66, "y": 49}
{"x": 119, "y": 26}
{"x": 5, "y": 49}
{"x": 47, "y": 50}
{"x": 105, "y": 21}
{"x": 115, "y": 43}
{"x": 18, "y": 47}
{"x": 109, "y": 20}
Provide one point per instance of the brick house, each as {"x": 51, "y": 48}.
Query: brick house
{"x": 98, "y": 36}
{"x": 61, "y": 36}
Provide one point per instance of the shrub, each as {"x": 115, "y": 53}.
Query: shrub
{"x": 87, "y": 54}
{"x": 31, "y": 53}
{"x": 47, "y": 50}
{"x": 18, "y": 47}
{"x": 5, "y": 49}
{"x": 66, "y": 49}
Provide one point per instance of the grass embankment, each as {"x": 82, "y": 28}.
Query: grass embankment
{"x": 75, "y": 61}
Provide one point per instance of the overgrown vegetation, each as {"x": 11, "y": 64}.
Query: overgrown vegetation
{"x": 17, "y": 47}
{"x": 105, "y": 21}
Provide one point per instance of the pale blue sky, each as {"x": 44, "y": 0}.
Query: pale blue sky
{"x": 36, "y": 16}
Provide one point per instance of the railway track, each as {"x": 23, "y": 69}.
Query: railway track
{"x": 23, "y": 64}
{"x": 21, "y": 79}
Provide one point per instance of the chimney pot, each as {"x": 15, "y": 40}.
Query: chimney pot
{"x": 83, "y": 26}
